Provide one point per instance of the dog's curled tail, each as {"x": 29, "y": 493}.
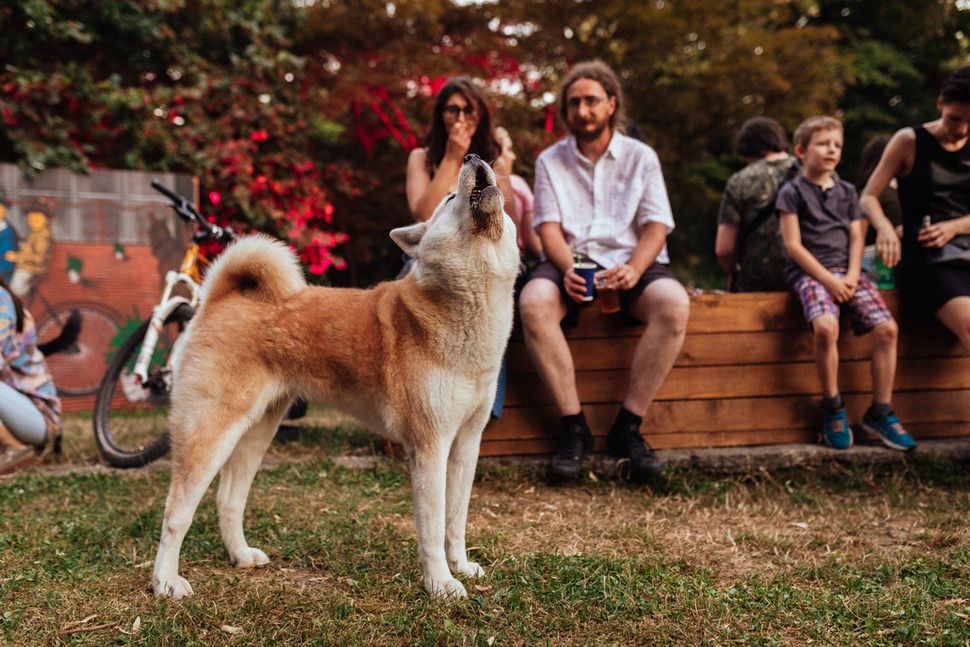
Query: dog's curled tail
{"x": 262, "y": 268}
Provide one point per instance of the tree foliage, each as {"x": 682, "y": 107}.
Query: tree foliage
{"x": 298, "y": 117}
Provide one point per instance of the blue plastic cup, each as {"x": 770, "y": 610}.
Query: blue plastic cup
{"x": 587, "y": 270}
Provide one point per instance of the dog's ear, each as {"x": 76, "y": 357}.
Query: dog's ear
{"x": 408, "y": 238}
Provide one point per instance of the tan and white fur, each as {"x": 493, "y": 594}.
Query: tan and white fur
{"x": 415, "y": 360}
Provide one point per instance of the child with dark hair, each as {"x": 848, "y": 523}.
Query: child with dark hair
{"x": 931, "y": 163}
{"x": 749, "y": 245}
{"x": 823, "y": 232}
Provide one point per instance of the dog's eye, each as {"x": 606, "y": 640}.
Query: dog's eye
{"x": 450, "y": 198}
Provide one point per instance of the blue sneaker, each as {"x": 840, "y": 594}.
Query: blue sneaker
{"x": 836, "y": 431}
{"x": 890, "y": 431}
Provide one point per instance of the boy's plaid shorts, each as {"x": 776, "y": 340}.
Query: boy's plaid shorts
{"x": 866, "y": 307}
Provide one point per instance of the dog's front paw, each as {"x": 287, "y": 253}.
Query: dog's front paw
{"x": 175, "y": 588}
{"x": 446, "y": 589}
{"x": 249, "y": 558}
{"x": 468, "y": 569}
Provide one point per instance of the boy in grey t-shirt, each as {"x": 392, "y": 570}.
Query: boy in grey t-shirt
{"x": 823, "y": 231}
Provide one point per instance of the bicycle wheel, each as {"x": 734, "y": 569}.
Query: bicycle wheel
{"x": 78, "y": 370}
{"x": 131, "y": 419}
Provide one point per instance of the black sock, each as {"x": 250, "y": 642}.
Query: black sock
{"x": 881, "y": 409}
{"x": 627, "y": 418}
{"x": 574, "y": 423}
{"x": 834, "y": 403}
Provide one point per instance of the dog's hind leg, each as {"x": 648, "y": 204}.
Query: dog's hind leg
{"x": 198, "y": 457}
{"x": 428, "y": 481}
{"x": 235, "y": 479}
{"x": 461, "y": 474}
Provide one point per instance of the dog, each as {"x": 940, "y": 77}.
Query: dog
{"x": 416, "y": 360}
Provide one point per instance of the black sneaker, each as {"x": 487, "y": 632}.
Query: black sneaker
{"x": 567, "y": 462}
{"x": 625, "y": 441}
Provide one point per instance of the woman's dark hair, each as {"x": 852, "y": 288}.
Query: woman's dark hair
{"x": 601, "y": 73}
{"x": 760, "y": 136}
{"x": 483, "y": 142}
{"x": 956, "y": 87}
{"x": 871, "y": 154}
{"x": 18, "y": 306}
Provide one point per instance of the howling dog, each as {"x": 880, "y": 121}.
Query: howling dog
{"x": 415, "y": 360}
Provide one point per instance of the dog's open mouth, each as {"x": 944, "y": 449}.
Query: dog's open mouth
{"x": 482, "y": 180}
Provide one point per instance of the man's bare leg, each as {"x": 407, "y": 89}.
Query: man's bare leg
{"x": 542, "y": 309}
{"x": 663, "y": 307}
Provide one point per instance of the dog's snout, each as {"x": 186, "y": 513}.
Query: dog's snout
{"x": 471, "y": 157}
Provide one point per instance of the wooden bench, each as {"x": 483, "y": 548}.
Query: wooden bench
{"x": 745, "y": 376}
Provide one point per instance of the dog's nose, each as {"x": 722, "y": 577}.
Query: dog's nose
{"x": 471, "y": 157}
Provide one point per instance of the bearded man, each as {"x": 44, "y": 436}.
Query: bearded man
{"x": 600, "y": 196}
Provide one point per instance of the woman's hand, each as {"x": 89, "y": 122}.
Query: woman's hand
{"x": 503, "y": 163}
{"x": 887, "y": 244}
{"x": 459, "y": 141}
{"x": 938, "y": 234}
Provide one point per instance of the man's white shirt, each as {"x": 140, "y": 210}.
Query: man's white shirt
{"x": 601, "y": 207}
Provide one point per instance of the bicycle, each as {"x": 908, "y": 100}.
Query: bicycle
{"x": 78, "y": 367}
{"x": 131, "y": 405}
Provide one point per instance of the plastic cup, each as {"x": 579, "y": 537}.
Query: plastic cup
{"x": 608, "y": 298}
{"x": 587, "y": 270}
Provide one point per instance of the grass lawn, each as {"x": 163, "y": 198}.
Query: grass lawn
{"x": 826, "y": 556}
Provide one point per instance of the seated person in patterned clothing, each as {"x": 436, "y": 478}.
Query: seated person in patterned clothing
{"x": 824, "y": 229}
{"x": 30, "y": 411}
{"x": 749, "y": 245}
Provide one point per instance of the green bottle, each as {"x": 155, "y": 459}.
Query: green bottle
{"x": 885, "y": 277}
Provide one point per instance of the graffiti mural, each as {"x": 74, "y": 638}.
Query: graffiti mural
{"x": 98, "y": 243}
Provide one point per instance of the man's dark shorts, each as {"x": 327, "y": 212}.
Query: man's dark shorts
{"x": 547, "y": 270}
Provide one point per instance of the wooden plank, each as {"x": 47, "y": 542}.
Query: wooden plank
{"x": 715, "y": 312}
{"x": 748, "y": 381}
{"x": 728, "y": 349}
{"x": 546, "y": 445}
{"x": 735, "y": 414}
{"x": 745, "y": 376}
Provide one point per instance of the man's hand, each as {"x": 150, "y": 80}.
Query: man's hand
{"x": 938, "y": 234}
{"x": 839, "y": 289}
{"x": 621, "y": 277}
{"x": 575, "y": 285}
{"x": 887, "y": 244}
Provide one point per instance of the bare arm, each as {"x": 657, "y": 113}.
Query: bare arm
{"x": 425, "y": 193}
{"x": 857, "y": 240}
{"x": 624, "y": 276}
{"x": 503, "y": 178}
{"x": 801, "y": 256}
{"x": 725, "y": 246}
{"x": 533, "y": 244}
{"x": 896, "y": 161}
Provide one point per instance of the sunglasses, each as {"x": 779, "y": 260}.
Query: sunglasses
{"x": 453, "y": 110}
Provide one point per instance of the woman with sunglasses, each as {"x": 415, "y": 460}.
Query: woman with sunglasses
{"x": 461, "y": 124}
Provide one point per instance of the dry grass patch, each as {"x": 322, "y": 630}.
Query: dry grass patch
{"x": 834, "y": 555}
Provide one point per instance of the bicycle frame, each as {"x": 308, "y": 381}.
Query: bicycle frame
{"x": 189, "y": 275}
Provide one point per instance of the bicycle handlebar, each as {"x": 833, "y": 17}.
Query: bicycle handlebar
{"x": 187, "y": 212}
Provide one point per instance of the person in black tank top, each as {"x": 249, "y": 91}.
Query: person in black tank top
{"x": 932, "y": 164}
